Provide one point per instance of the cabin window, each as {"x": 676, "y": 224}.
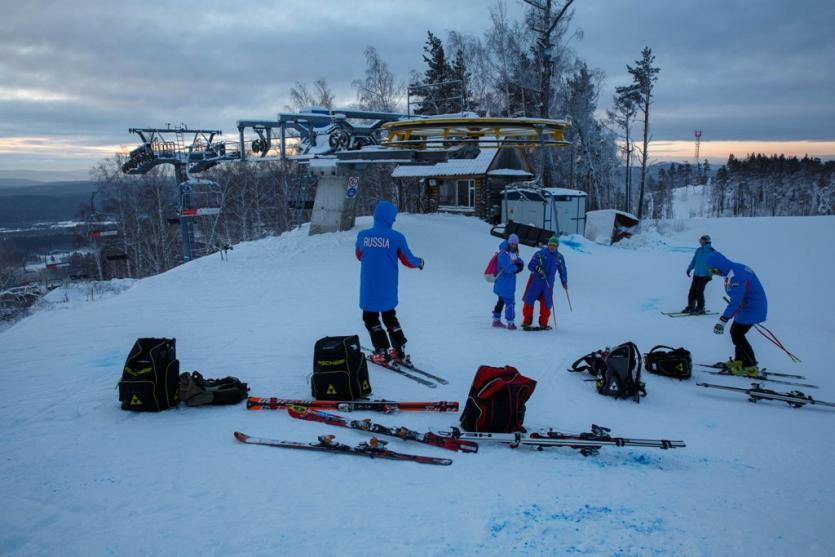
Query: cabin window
{"x": 458, "y": 193}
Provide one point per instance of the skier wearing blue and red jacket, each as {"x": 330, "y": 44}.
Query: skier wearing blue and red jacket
{"x": 544, "y": 266}
{"x": 379, "y": 249}
{"x": 747, "y": 307}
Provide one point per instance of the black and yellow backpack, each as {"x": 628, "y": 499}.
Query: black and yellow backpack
{"x": 150, "y": 378}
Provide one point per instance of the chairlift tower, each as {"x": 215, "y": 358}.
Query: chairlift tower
{"x": 187, "y": 150}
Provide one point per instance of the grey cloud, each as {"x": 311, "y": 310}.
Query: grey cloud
{"x": 739, "y": 69}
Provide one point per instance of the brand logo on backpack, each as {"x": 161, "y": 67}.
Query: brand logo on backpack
{"x": 331, "y": 390}
{"x": 134, "y": 401}
{"x": 141, "y": 371}
{"x": 331, "y": 362}
{"x": 365, "y": 384}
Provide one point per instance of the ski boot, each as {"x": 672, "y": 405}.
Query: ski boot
{"x": 687, "y": 309}
{"x": 397, "y": 356}
{"x": 511, "y": 326}
{"x": 380, "y": 357}
{"x": 733, "y": 367}
{"x": 498, "y": 324}
{"x": 750, "y": 371}
{"x": 698, "y": 311}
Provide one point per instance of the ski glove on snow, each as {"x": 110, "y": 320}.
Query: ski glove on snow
{"x": 719, "y": 328}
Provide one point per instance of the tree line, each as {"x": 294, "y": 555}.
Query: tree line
{"x": 755, "y": 186}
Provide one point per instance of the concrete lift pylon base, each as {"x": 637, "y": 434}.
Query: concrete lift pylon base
{"x": 333, "y": 209}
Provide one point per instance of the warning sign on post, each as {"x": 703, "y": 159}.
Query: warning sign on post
{"x": 353, "y": 186}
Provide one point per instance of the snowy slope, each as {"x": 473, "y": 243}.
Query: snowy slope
{"x": 81, "y": 477}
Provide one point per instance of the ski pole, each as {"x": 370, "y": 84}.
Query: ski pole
{"x": 771, "y": 337}
{"x": 567, "y": 297}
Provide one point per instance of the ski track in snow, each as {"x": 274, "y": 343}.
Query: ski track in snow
{"x": 81, "y": 477}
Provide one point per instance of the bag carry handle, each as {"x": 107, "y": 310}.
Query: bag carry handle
{"x": 587, "y": 359}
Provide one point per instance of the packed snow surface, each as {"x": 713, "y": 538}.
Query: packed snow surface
{"x": 82, "y": 477}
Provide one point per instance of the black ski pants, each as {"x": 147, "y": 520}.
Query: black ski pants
{"x": 497, "y": 309}
{"x": 379, "y": 338}
{"x": 742, "y": 348}
{"x": 696, "y": 296}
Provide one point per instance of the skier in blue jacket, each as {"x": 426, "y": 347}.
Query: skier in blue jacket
{"x": 379, "y": 249}
{"x": 508, "y": 265}
{"x": 544, "y": 266}
{"x": 748, "y": 306}
{"x": 701, "y": 276}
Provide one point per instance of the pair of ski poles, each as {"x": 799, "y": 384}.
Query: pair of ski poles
{"x": 771, "y": 337}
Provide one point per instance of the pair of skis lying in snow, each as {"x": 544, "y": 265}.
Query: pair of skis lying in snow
{"x": 453, "y": 439}
{"x": 408, "y": 370}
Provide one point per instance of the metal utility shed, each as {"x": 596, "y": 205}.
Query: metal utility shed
{"x": 560, "y": 209}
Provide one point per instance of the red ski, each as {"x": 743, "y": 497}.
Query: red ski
{"x": 313, "y": 415}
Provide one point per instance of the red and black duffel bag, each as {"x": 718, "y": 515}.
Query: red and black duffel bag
{"x": 497, "y": 400}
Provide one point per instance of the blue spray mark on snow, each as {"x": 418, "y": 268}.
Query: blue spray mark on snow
{"x": 587, "y": 529}
{"x": 572, "y": 244}
{"x": 109, "y": 360}
{"x": 631, "y": 458}
{"x": 650, "y": 304}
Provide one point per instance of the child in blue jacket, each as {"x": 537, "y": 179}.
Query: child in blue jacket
{"x": 379, "y": 249}
{"x": 508, "y": 265}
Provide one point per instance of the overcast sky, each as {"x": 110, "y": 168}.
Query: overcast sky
{"x": 74, "y": 76}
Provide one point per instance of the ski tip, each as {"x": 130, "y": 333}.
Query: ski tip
{"x": 242, "y": 437}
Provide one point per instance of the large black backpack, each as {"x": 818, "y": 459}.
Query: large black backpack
{"x": 669, "y": 361}
{"x": 150, "y": 378}
{"x": 621, "y": 376}
{"x": 340, "y": 371}
{"x": 497, "y": 398}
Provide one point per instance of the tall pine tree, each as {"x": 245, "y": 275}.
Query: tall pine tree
{"x": 433, "y": 97}
{"x": 644, "y": 76}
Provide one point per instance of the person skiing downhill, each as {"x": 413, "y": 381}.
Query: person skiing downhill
{"x": 748, "y": 306}
{"x": 701, "y": 276}
{"x": 544, "y": 266}
{"x": 378, "y": 249}
{"x": 508, "y": 265}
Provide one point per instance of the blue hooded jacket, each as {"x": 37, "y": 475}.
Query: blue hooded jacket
{"x": 506, "y": 269}
{"x": 748, "y": 303}
{"x": 379, "y": 248}
{"x": 699, "y": 262}
{"x": 550, "y": 263}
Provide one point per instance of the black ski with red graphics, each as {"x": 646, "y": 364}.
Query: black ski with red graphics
{"x": 313, "y": 415}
